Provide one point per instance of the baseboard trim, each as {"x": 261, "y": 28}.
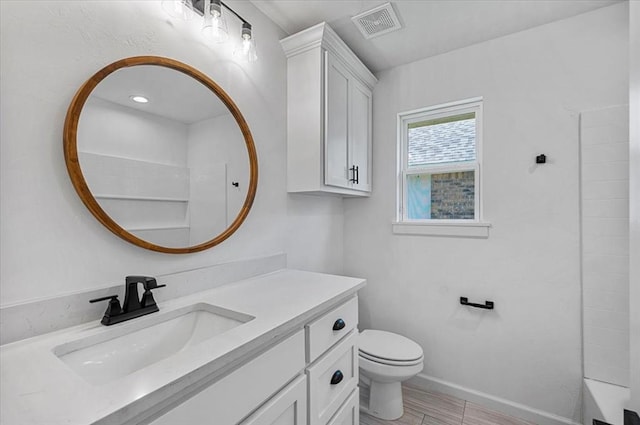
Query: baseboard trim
{"x": 426, "y": 382}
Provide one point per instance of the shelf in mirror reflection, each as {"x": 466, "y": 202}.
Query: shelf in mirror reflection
{"x": 141, "y": 198}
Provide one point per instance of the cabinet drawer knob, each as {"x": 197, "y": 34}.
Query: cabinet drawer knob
{"x": 339, "y": 324}
{"x": 337, "y": 377}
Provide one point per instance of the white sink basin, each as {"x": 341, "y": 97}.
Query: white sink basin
{"x": 140, "y": 342}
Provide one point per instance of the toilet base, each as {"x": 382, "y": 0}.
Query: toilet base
{"x": 385, "y": 400}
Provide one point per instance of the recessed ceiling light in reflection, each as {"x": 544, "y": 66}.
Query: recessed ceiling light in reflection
{"x": 139, "y": 99}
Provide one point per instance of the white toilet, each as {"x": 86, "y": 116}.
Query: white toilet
{"x": 386, "y": 359}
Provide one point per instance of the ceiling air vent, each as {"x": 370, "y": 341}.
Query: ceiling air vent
{"x": 377, "y": 21}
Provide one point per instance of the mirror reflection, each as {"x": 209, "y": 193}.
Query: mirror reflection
{"x": 163, "y": 156}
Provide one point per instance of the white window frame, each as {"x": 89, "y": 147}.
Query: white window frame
{"x": 440, "y": 227}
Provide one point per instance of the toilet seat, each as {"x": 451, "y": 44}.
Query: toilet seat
{"x": 389, "y": 348}
{"x": 390, "y": 362}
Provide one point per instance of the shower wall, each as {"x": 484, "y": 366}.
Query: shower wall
{"x": 604, "y": 164}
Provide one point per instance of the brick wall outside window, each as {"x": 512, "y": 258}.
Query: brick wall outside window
{"x": 452, "y": 195}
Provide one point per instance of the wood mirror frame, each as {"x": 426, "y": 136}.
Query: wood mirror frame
{"x": 79, "y": 183}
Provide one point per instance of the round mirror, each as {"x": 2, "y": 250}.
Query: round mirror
{"x": 160, "y": 155}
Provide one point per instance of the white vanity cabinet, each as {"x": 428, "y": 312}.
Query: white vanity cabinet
{"x": 329, "y": 115}
{"x": 308, "y": 378}
{"x": 230, "y": 399}
{"x": 290, "y": 360}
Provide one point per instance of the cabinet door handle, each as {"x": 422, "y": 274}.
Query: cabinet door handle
{"x": 355, "y": 174}
{"x": 339, "y": 324}
{"x": 337, "y": 377}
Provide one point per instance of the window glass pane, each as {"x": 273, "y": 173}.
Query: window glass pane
{"x": 442, "y": 140}
{"x": 452, "y": 195}
{"x": 442, "y": 196}
{"x": 419, "y": 196}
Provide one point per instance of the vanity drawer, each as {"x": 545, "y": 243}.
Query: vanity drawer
{"x": 349, "y": 413}
{"x": 237, "y": 394}
{"x": 332, "y": 379}
{"x": 327, "y": 330}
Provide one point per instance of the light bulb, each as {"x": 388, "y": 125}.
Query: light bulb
{"x": 214, "y": 26}
{"x": 246, "y": 51}
{"x": 139, "y": 99}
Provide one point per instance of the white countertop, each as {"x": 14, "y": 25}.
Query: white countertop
{"x": 38, "y": 388}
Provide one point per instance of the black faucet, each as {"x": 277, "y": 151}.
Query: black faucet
{"x": 133, "y": 307}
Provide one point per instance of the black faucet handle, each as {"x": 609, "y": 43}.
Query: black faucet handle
{"x": 151, "y": 283}
{"x": 108, "y": 297}
{"x": 147, "y": 297}
{"x": 113, "y": 309}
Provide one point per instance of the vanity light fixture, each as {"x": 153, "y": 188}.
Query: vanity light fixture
{"x": 139, "y": 99}
{"x": 214, "y": 26}
{"x": 178, "y": 9}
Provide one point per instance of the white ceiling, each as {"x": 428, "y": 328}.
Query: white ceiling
{"x": 430, "y": 27}
{"x": 171, "y": 93}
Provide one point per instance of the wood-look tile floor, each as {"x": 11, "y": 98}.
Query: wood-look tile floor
{"x": 431, "y": 408}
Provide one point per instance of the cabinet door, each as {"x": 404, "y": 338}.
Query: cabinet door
{"x": 360, "y": 135}
{"x": 288, "y": 407}
{"x": 236, "y": 395}
{"x": 336, "y": 112}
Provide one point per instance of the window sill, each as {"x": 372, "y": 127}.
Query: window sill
{"x": 478, "y": 230}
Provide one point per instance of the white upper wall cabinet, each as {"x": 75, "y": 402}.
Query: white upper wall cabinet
{"x": 329, "y": 117}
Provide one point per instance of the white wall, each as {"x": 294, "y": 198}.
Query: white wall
{"x": 216, "y": 146}
{"x": 50, "y": 243}
{"x": 634, "y": 199}
{"x": 604, "y": 193}
{"x": 126, "y": 153}
{"x": 319, "y": 222}
{"x": 107, "y": 128}
{"x": 534, "y": 83}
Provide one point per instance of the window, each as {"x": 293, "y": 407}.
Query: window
{"x": 439, "y": 170}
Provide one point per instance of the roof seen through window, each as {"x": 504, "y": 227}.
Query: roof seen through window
{"x": 444, "y": 140}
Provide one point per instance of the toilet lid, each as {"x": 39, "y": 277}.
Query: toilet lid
{"x": 388, "y": 346}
